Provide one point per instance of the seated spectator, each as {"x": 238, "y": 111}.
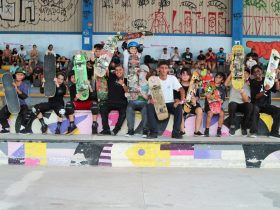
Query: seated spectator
{"x": 1, "y": 58}
{"x": 201, "y": 58}
{"x": 14, "y": 67}
{"x": 62, "y": 64}
{"x": 34, "y": 55}
{"x": 195, "y": 68}
{"x": 253, "y": 54}
{"x": 22, "y": 54}
{"x": 117, "y": 56}
{"x": 165, "y": 55}
{"x": 175, "y": 56}
{"x": 15, "y": 57}
{"x": 37, "y": 76}
{"x": 211, "y": 59}
{"x": 124, "y": 45}
{"x": 7, "y": 55}
{"x": 250, "y": 62}
{"x": 50, "y": 50}
{"x": 89, "y": 70}
{"x": 221, "y": 59}
{"x": 188, "y": 57}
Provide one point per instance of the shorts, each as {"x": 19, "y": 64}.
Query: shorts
{"x": 193, "y": 108}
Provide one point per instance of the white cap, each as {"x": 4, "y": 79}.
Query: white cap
{"x": 145, "y": 68}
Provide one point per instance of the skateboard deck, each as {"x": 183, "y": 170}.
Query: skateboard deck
{"x": 132, "y": 77}
{"x": 214, "y": 102}
{"x": 157, "y": 94}
{"x": 135, "y": 35}
{"x": 238, "y": 67}
{"x": 10, "y": 94}
{"x": 194, "y": 84}
{"x": 81, "y": 77}
{"x": 49, "y": 75}
{"x": 271, "y": 68}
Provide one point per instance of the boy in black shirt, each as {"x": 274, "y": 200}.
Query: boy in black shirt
{"x": 55, "y": 103}
{"x": 261, "y": 98}
{"x": 116, "y": 100}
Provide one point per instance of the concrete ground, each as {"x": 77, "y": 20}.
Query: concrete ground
{"x": 28, "y": 188}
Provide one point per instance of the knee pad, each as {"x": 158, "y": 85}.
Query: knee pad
{"x": 36, "y": 110}
{"x": 69, "y": 108}
{"x": 61, "y": 112}
{"x": 94, "y": 108}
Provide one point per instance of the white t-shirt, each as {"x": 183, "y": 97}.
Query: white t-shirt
{"x": 235, "y": 95}
{"x": 175, "y": 57}
{"x": 165, "y": 56}
{"x": 171, "y": 83}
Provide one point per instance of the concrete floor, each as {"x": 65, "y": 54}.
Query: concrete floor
{"x": 28, "y": 188}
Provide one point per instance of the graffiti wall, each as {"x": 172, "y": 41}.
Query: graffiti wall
{"x": 40, "y": 15}
{"x": 261, "y": 17}
{"x": 163, "y": 16}
{"x": 140, "y": 154}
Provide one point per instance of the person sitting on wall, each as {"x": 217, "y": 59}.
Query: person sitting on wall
{"x": 50, "y": 50}
{"x": 165, "y": 55}
{"x": 211, "y": 59}
{"x": 34, "y": 55}
{"x": 201, "y": 58}
{"x": 188, "y": 57}
{"x": 221, "y": 59}
{"x": 168, "y": 84}
{"x": 22, "y": 54}
{"x": 7, "y": 55}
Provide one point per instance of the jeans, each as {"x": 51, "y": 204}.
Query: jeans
{"x": 245, "y": 108}
{"x": 130, "y": 114}
{"x": 152, "y": 118}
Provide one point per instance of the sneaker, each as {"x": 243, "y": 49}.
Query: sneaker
{"x": 196, "y": 134}
{"x": 252, "y": 135}
{"x": 244, "y": 132}
{"x": 4, "y": 131}
{"x": 44, "y": 128}
{"x": 182, "y": 133}
{"x": 206, "y": 132}
{"x": 105, "y": 132}
{"x": 232, "y": 131}
{"x": 24, "y": 131}
{"x": 114, "y": 132}
{"x": 152, "y": 136}
{"x": 94, "y": 128}
{"x": 71, "y": 129}
{"x": 219, "y": 133}
{"x": 177, "y": 136}
{"x": 129, "y": 133}
{"x": 274, "y": 135}
{"x": 57, "y": 131}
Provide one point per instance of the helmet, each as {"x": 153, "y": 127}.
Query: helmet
{"x": 132, "y": 44}
{"x": 20, "y": 70}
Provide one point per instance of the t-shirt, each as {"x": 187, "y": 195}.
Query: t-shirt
{"x": 22, "y": 53}
{"x": 73, "y": 92}
{"x": 171, "y": 83}
{"x": 201, "y": 57}
{"x": 59, "y": 94}
{"x": 165, "y": 56}
{"x": 186, "y": 88}
{"x": 175, "y": 56}
{"x": 235, "y": 95}
{"x": 187, "y": 57}
{"x": 116, "y": 93}
{"x": 220, "y": 55}
{"x": 257, "y": 87}
{"x": 24, "y": 89}
{"x": 251, "y": 63}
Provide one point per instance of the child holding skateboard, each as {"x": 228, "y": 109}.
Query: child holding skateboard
{"x": 168, "y": 84}
{"x": 76, "y": 104}
{"x": 261, "y": 98}
{"x": 218, "y": 82}
{"x": 22, "y": 92}
{"x": 195, "y": 107}
{"x": 55, "y": 103}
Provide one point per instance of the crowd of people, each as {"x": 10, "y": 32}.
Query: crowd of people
{"x": 112, "y": 93}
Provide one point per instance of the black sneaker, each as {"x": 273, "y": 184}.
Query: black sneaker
{"x": 152, "y": 136}
{"x": 206, "y": 132}
{"x": 4, "y": 131}
{"x": 145, "y": 134}
{"x": 182, "y": 133}
{"x": 244, "y": 132}
{"x": 196, "y": 134}
{"x": 57, "y": 131}
{"x": 94, "y": 128}
{"x": 71, "y": 129}
{"x": 177, "y": 136}
{"x": 219, "y": 133}
{"x": 44, "y": 128}
{"x": 114, "y": 132}
{"x": 232, "y": 131}
{"x": 129, "y": 133}
{"x": 105, "y": 132}
{"x": 274, "y": 135}
{"x": 24, "y": 131}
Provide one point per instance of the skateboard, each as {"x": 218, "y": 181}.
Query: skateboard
{"x": 135, "y": 35}
{"x": 132, "y": 77}
{"x": 194, "y": 84}
{"x": 214, "y": 101}
{"x": 238, "y": 67}
{"x": 49, "y": 75}
{"x": 157, "y": 94}
{"x": 10, "y": 94}
{"x": 271, "y": 68}
{"x": 81, "y": 77}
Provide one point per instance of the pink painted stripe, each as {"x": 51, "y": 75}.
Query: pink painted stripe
{"x": 182, "y": 152}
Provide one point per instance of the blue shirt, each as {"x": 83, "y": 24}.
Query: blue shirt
{"x": 219, "y": 55}
{"x": 24, "y": 89}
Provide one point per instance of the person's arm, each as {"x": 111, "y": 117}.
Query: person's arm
{"x": 244, "y": 96}
{"x": 22, "y": 94}
{"x": 228, "y": 80}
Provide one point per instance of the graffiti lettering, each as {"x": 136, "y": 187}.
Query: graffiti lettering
{"x": 119, "y": 21}
{"x": 126, "y": 3}
{"x": 142, "y": 3}
{"x": 107, "y": 3}
{"x": 159, "y": 23}
{"x": 259, "y": 4}
{"x": 139, "y": 24}
{"x": 27, "y": 5}
{"x": 189, "y": 5}
{"x": 263, "y": 49}
{"x": 7, "y": 11}
{"x": 164, "y": 3}
{"x": 218, "y": 4}
{"x": 276, "y": 7}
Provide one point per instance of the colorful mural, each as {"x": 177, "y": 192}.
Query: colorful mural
{"x": 140, "y": 154}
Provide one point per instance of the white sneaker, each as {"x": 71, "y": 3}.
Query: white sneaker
{"x": 252, "y": 135}
{"x": 144, "y": 136}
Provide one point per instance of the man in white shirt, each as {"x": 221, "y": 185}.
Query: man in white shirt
{"x": 22, "y": 53}
{"x": 168, "y": 84}
{"x": 165, "y": 55}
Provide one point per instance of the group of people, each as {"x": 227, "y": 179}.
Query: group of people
{"x": 112, "y": 92}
